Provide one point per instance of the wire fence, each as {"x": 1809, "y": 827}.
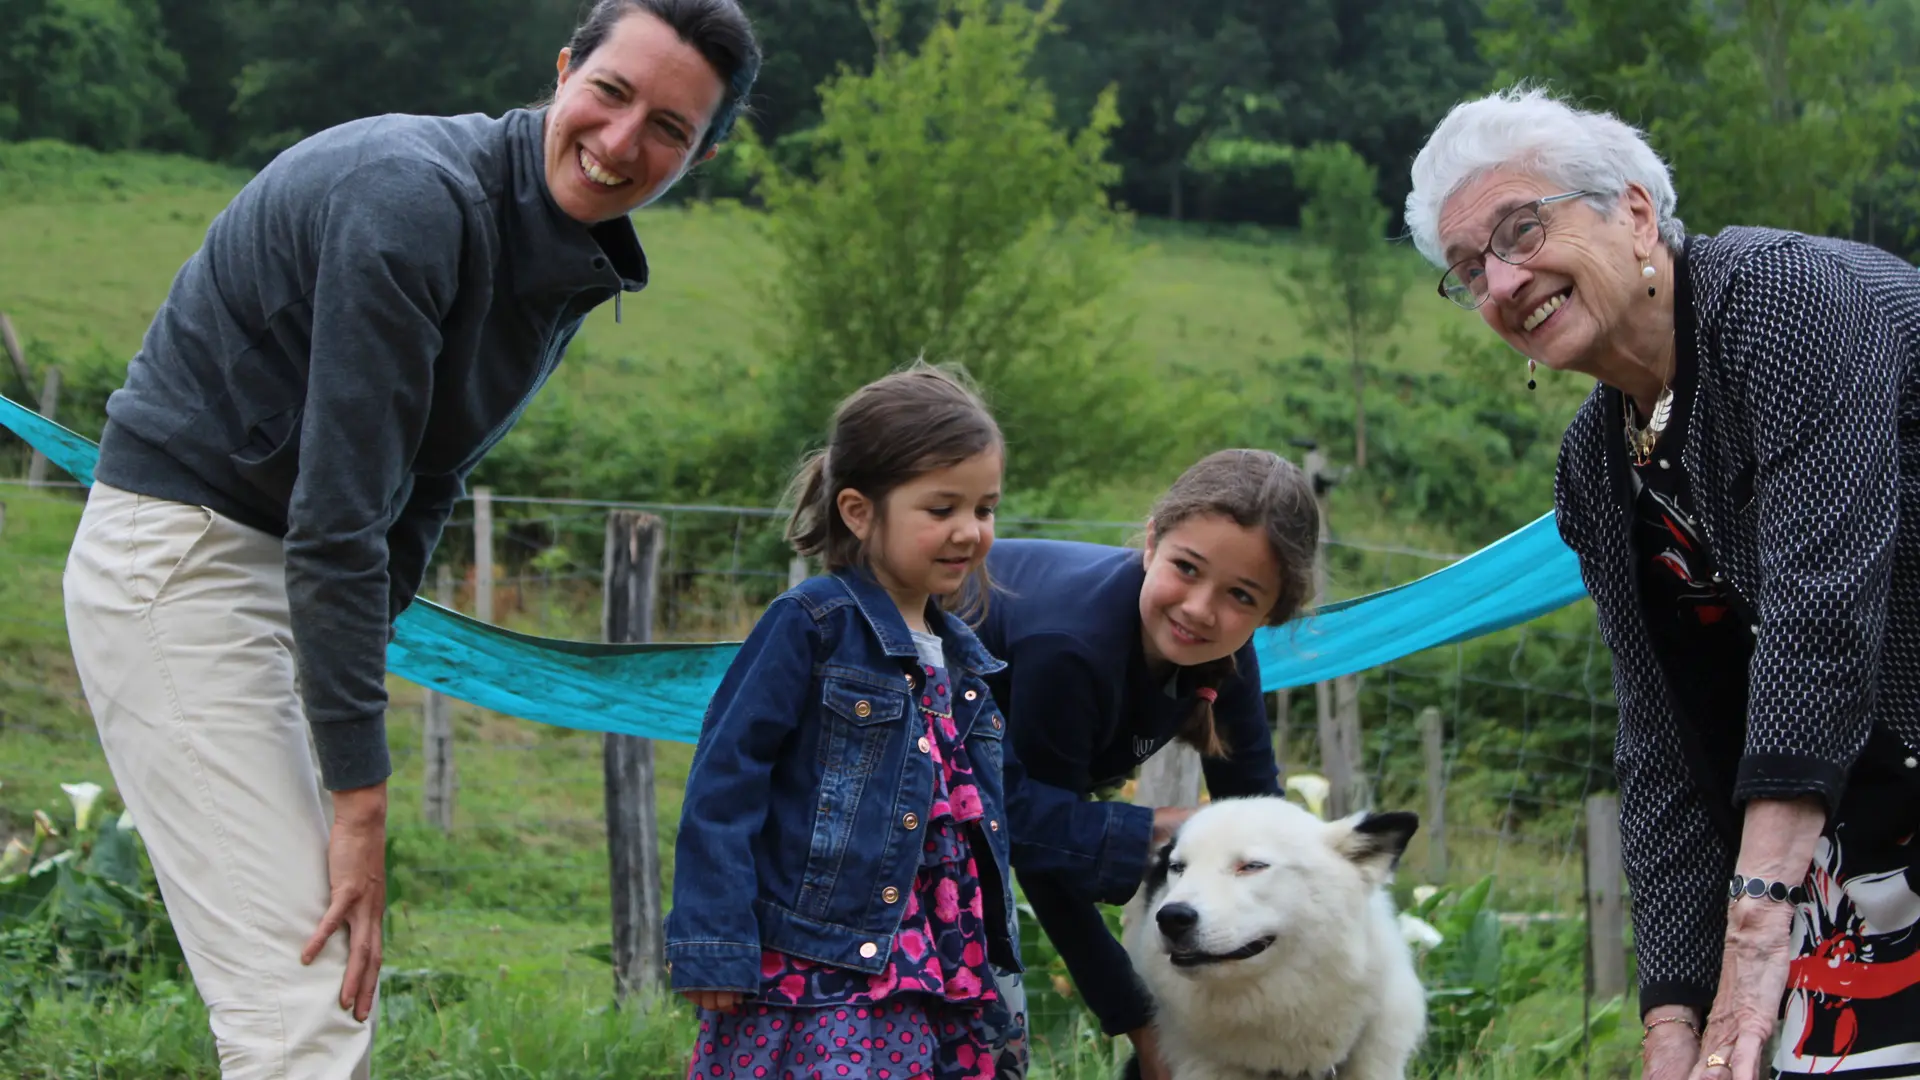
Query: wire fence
{"x": 519, "y": 883}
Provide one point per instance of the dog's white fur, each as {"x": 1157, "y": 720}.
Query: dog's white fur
{"x": 1334, "y": 995}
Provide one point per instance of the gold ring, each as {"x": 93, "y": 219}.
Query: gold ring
{"x": 1716, "y": 1061}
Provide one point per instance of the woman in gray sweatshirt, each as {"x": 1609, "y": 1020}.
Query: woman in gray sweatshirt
{"x": 362, "y": 323}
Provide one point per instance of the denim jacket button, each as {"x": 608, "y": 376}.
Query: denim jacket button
{"x": 868, "y": 949}
{"x": 911, "y": 821}
{"x": 890, "y": 894}
{"x": 862, "y": 709}
{"x": 925, "y": 746}
{"x": 994, "y": 825}
{"x": 971, "y": 694}
{"x": 996, "y": 721}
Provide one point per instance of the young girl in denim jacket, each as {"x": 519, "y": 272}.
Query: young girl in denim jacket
{"x": 842, "y": 890}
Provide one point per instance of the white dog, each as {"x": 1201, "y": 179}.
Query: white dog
{"x": 1270, "y": 946}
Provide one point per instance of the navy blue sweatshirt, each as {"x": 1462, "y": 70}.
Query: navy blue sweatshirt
{"x": 367, "y": 317}
{"x": 1084, "y": 711}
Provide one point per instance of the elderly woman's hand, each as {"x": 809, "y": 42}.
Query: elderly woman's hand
{"x": 1670, "y": 1048}
{"x": 1753, "y": 978}
{"x": 1776, "y": 844}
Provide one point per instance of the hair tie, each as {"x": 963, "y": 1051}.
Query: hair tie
{"x": 1207, "y": 694}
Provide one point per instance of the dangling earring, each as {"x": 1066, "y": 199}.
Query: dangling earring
{"x": 1530, "y": 383}
{"x": 1647, "y": 271}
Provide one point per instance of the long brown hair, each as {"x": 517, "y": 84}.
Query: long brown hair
{"x": 885, "y": 434}
{"x": 1255, "y": 489}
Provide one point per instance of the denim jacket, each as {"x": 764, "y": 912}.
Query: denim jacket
{"x": 800, "y": 830}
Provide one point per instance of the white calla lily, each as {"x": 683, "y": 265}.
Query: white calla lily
{"x": 1418, "y": 932}
{"x": 1423, "y": 893}
{"x": 125, "y": 824}
{"x": 84, "y": 795}
{"x": 1312, "y": 789}
{"x": 15, "y": 858}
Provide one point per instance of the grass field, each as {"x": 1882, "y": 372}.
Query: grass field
{"x": 505, "y": 904}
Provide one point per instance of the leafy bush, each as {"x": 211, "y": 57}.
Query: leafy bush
{"x": 82, "y": 921}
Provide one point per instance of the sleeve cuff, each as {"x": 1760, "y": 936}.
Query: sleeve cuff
{"x": 1655, "y": 994}
{"x": 353, "y": 753}
{"x": 713, "y": 965}
{"x": 1123, "y": 858}
{"x": 1126, "y": 1011}
{"x": 1789, "y": 776}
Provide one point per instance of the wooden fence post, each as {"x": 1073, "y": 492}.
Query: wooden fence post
{"x": 1431, "y": 737}
{"x": 1337, "y": 703}
{"x": 632, "y": 568}
{"x": 1282, "y": 706}
{"x": 1171, "y": 777}
{"x": 1606, "y": 913}
{"x": 49, "y": 402}
{"x": 437, "y": 741}
{"x": 1346, "y": 714}
{"x": 483, "y": 554}
{"x": 11, "y": 342}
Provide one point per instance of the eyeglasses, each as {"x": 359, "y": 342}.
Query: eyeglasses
{"x": 1517, "y": 238}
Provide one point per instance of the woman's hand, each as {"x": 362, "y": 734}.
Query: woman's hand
{"x": 1753, "y": 978}
{"x": 720, "y": 1001}
{"x": 1777, "y": 840}
{"x": 1671, "y": 1048}
{"x": 1146, "y": 1048}
{"x": 357, "y": 877}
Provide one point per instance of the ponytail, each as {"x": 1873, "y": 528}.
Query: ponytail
{"x": 1199, "y": 730}
{"x": 814, "y": 515}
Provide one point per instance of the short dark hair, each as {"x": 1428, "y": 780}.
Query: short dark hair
{"x": 885, "y": 434}
{"x": 718, "y": 29}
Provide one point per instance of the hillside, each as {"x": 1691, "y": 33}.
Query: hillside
{"x": 81, "y": 277}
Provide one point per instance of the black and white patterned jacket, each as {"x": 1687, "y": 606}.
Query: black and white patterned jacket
{"x": 1803, "y": 455}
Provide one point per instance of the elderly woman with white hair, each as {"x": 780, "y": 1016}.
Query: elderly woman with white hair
{"x": 1743, "y": 492}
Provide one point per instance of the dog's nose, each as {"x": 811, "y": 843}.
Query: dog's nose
{"x": 1177, "y": 920}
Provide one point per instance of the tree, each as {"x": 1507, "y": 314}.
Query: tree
{"x": 92, "y": 72}
{"x": 1348, "y": 282}
{"x": 948, "y": 214}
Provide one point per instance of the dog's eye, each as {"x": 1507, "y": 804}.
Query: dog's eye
{"x": 1250, "y": 868}
{"x": 1176, "y": 868}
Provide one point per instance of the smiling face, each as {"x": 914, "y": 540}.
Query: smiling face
{"x": 1568, "y": 306}
{"x": 1247, "y": 881}
{"x": 935, "y": 530}
{"x": 1210, "y": 583}
{"x": 626, "y": 119}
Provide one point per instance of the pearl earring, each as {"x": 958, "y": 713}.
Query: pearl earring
{"x": 1647, "y": 271}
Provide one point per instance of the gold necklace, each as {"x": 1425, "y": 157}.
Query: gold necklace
{"x": 1640, "y": 441}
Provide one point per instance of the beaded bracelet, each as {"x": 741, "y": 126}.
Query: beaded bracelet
{"x": 1742, "y": 887}
{"x": 1651, "y": 1024}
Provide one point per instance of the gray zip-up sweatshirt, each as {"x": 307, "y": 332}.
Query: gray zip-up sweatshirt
{"x": 363, "y": 322}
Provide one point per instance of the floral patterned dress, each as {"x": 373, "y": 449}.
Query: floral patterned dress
{"x": 923, "y": 1015}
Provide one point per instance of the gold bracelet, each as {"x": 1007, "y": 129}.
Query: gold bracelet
{"x": 1651, "y": 1024}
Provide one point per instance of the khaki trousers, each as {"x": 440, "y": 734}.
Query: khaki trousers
{"x": 178, "y": 620}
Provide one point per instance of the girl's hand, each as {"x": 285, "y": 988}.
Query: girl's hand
{"x": 1167, "y": 820}
{"x": 1146, "y": 1049}
{"x": 720, "y": 1001}
{"x": 1753, "y": 978}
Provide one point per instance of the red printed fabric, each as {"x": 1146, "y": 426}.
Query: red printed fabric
{"x": 1853, "y": 996}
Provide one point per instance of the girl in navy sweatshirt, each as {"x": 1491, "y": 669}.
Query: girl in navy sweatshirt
{"x": 1113, "y": 652}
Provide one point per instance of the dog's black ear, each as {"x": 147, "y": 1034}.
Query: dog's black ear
{"x": 1377, "y": 841}
{"x": 1157, "y": 869}
{"x": 1132, "y": 1069}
